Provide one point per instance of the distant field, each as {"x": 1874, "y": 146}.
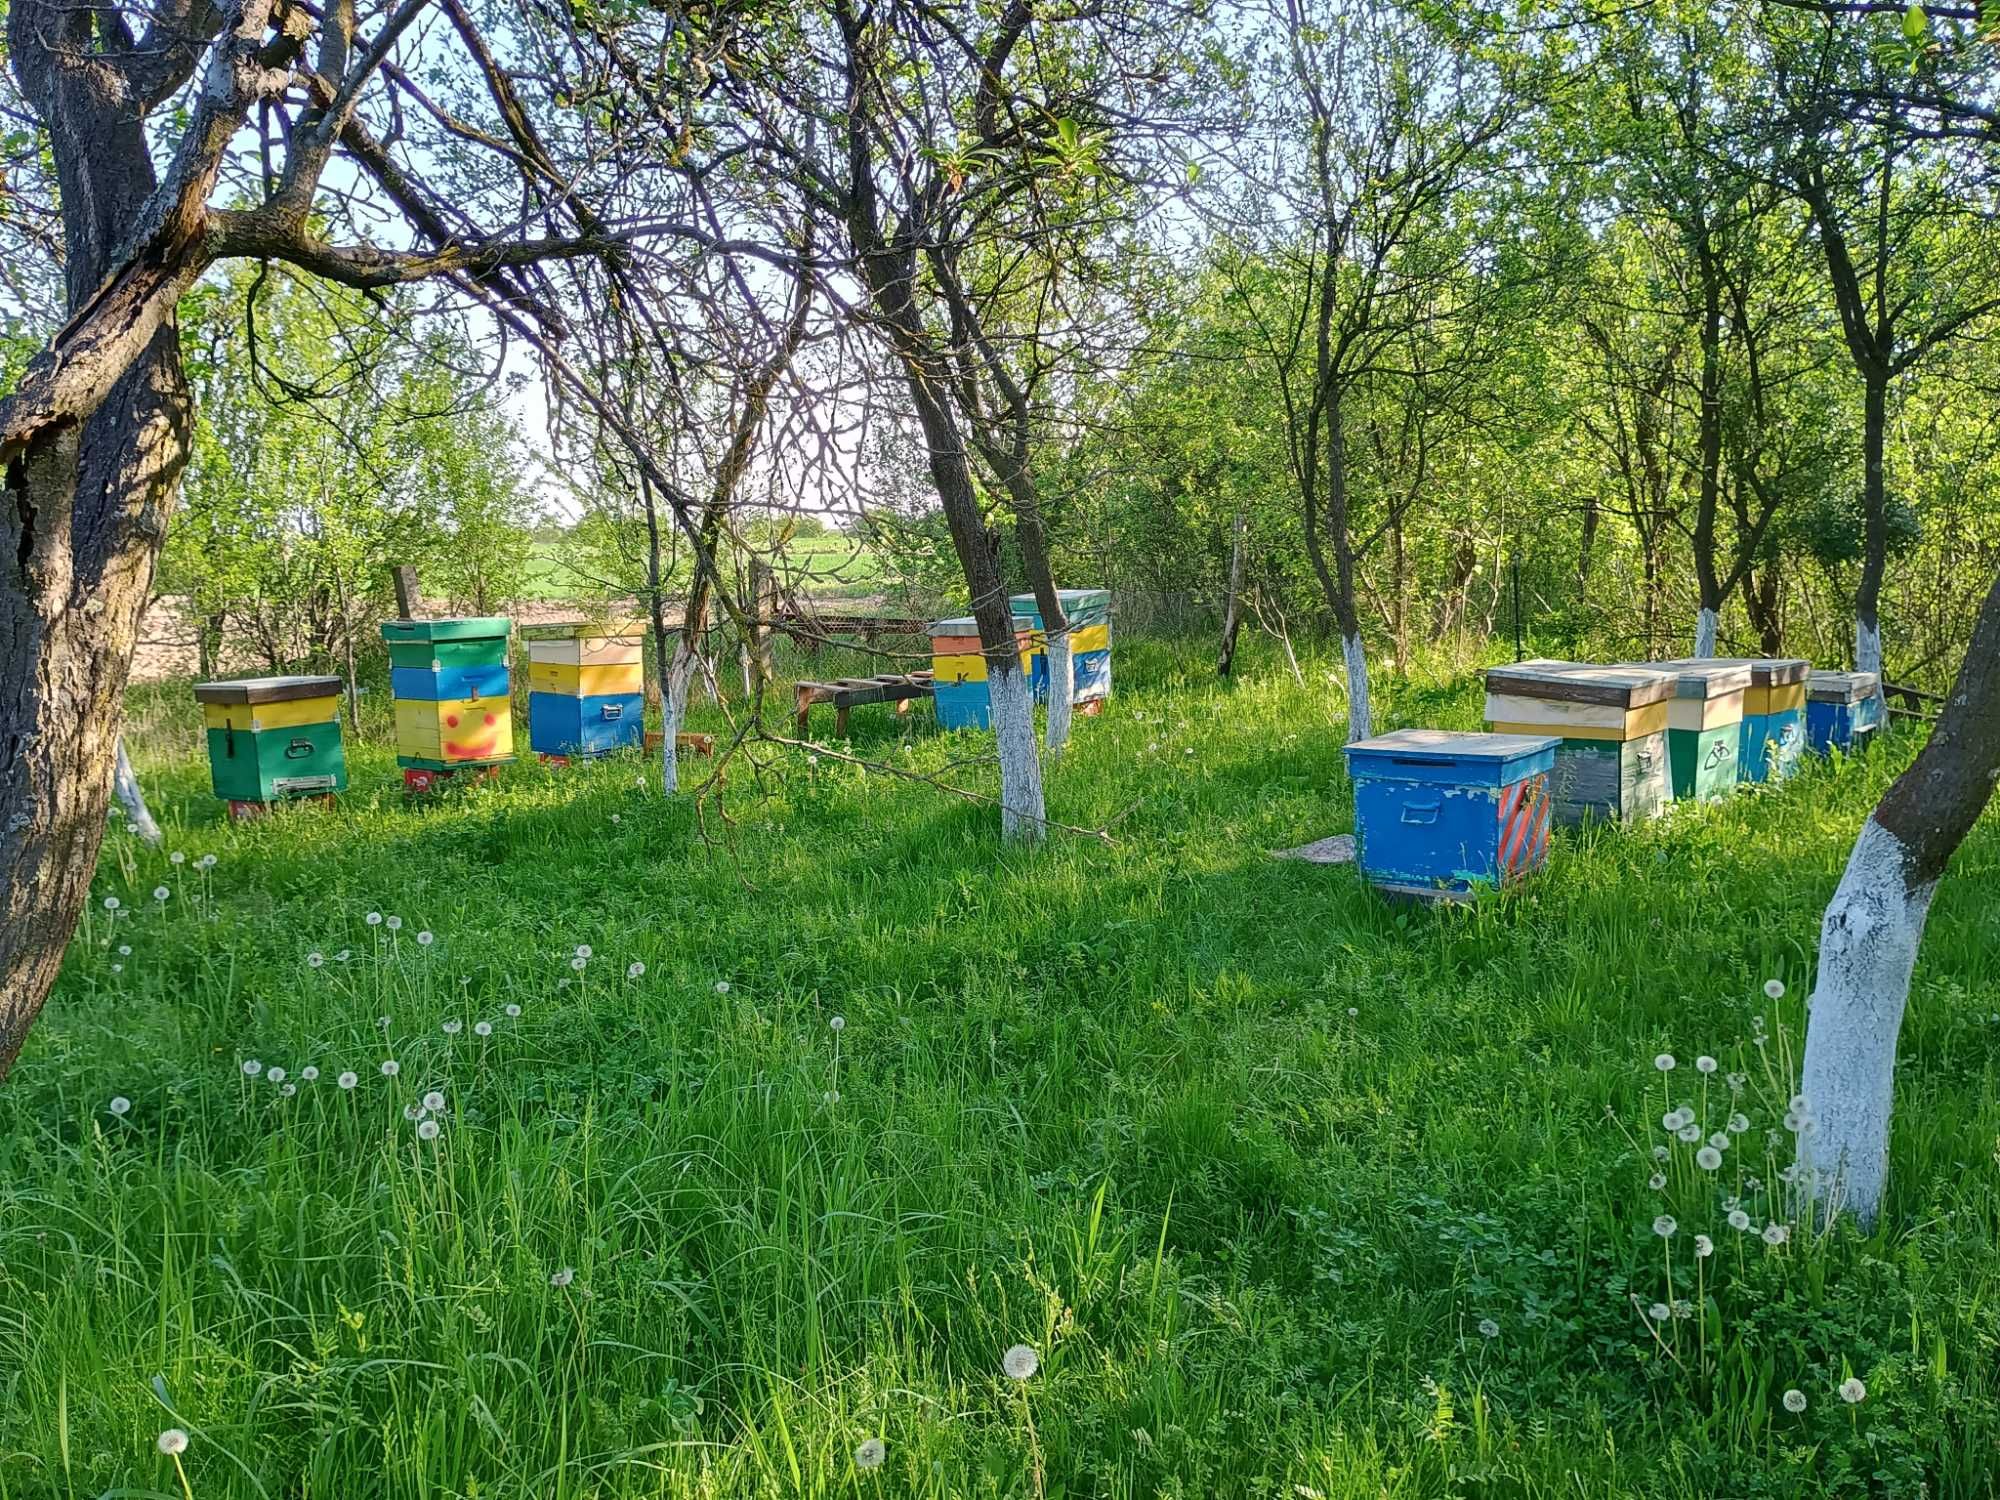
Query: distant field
{"x": 1292, "y": 1193}
{"x": 829, "y": 567}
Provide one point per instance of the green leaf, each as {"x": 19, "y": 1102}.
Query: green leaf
{"x": 1916, "y": 24}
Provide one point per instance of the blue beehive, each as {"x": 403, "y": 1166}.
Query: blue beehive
{"x": 1089, "y": 614}
{"x": 1842, "y": 708}
{"x": 1437, "y": 812}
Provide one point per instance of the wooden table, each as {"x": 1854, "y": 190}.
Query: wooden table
{"x": 844, "y": 693}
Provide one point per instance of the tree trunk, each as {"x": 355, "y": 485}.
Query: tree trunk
{"x": 85, "y": 508}
{"x": 1760, "y": 602}
{"x": 125, "y": 781}
{"x": 1232, "y": 595}
{"x": 1871, "y": 931}
{"x": 1708, "y": 576}
{"x": 1706, "y": 623}
{"x": 1875, "y": 525}
{"x": 1033, "y": 542}
{"x": 1399, "y": 618}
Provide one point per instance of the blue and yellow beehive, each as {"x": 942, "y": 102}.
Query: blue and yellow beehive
{"x": 1774, "y": 715}
{"x": 273, "y": 738}
{"x": 1089, "y": 614}
{"x": 958, "y": 670}
{"x": 1437, "y": 812}
{"x": 453, "y": 696}
{"x": 586, "y": 687}
{"x": 1613, "y": 725}
{"x": 1842, "y": 708}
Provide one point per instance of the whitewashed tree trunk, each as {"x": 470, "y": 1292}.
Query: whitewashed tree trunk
{"x": 125, "y": 781}
{"x": 1062, "y": 692}
{"x": 1872, "y": 928}
{"x": 1022, "y": 813}
{"x": 1360, "y": 713}
{"x": 1867, "y": 647}
{"x": 1867, "y": 951}
{"x": 1706, "y": 625}
{"x": 673, "y": 712}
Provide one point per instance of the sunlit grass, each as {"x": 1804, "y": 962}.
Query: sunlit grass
{"x": 1291, "y": 1192}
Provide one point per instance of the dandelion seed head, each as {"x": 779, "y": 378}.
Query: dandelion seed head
{"x": 342, "y": 956}
{"x": 482, "y": 1028}
{"x": 276, "y": 1075}
{"x": 1738, "y": 1123}
{"x": 424, "y": 938}
{"x": 452, "y": 1027}
{"x": 1795, "y": 1400}
{"x": 374, "y": 919}
{"x": 513, "y": 1011}
{"x": 427, "y": 1130}
{"x": 177, "y": 857}
{"x": 1689, "y": 1132}
{"x": 1657, "y": 1181}
{"x": 1661, "y": 1153}
{"x": 1020, "y": 1362}
{"x": 1488, "y": 1329}
{"x": 635, "y": 970}
{"x": 121, "y": 1105}
{"x": 583, "y": 950}
{"x": 251, "y": 1067}
{"x": 394, "y": 924}
{"x": 563, "y": 1277}
{"x": 172, "y": 1443}
{"x": 390, "y": 1067}
{"x": 1703, "y": 1247}
{"x": 124, "y": 950}
{"x": 348, "y": 1079}
{"x": 1664, "y": 1062}
{"x": 721, "y": 986}
{"x": 1775, "y": 988}
{"x": 206, "y": 862}
{"x": 1659, "y": 1312}
{"x": 870, "y": 1454}
{"x": 1708, "y": 1158}
{"x": 1704, "y": 1064}
{"x": 111, "y": 903}
{"x": 1776, "y": 1233}
{"x": 308, "y": 1074}
{"x": 434, "y": 1100}
{"x": 1738, "y": 1219}
{"x": 578, "y": 963}
{"x": 289, "y": 1089}
{"x": 838, "y": 1023}
{"x": 1665, "y": 1225}
{"x": 161, "y": 893}
{"x": 314, "y": 960}
{"x": 1852, "y": 1391}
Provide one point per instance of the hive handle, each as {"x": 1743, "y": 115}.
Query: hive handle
{"x": 299, "y": 749}
{"x": 1423, "y": 812}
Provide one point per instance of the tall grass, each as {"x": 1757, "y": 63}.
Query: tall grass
{"x": 1293, "y": 1193}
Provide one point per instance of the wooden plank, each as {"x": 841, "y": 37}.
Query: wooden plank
{"x": 1580, "y": 682}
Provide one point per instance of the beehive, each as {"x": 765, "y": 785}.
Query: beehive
{"x": 1774, "y": 714}
{"x": 1705, "y": 726}
{"x": 1842, "y": 708}
{"x": 1437, "y": 812}
{"x": 273, "y": 738}
{"x": 586, "y": 687}
{"x": 1089, "y": 614}
{"x": 958, "y": 670}
{"x": 454, "y": 709}
{"x": 1612, "y": 721}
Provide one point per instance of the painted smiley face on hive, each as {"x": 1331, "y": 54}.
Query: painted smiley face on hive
{"x": 471, "y": 735}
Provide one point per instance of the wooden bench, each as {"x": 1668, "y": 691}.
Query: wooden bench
{"x": 1908, "y": 702}
{"x": 845, "y": 693}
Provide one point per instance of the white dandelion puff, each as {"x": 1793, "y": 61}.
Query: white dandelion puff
{"x": 124, "y": 950}
{"x": 424, "y": 938}
{"x": 1665, "y": 1225}
{"x": 315, "y": 959}
{"x": 1657, "y": 1181}
{"x": 434, "y": 1101}
{"x": 289, "y": 1089}
{"x": 635, "y": 970}
{"x": 482, "y": 1028}
{"x": 1795, "y": 1400}
{"x": 1720, "y": 1140}
{"x": 1738, "y": 1123}
{"x": 1659, "y": 1312}
{"x": 870, "y": 1454}
{"x": 721, "y": 986}
{"x": 121, "y": 1105}
{"x": 1775, "y": 988}
{"x": 1661, "y": 1153}
{"x": 578, "y": 963}
{"x": 390, "y": 1067}
{"x": 1704, "y": 1064}
{"x": 394, "y": 924}
{"x": 1708, "y": 1158}
{"x": 1020, "y": 1362}
{"x": 1776, "y": 1234}
{"x": 206, "y": 862}
{"x": 452, "y": 1027}
{"x": 111, "y": 903}
{"x": 1738, "y": 1219}
{"x": 172, "y": 1443}
{"x": 161, "y": 893}
{"x": 513, "y": 1012}
{"x": 1689, "y": 1132}
{"x": 374, "y": 919}
{"x": 276, "y": 1075}
{"x": 583, "y": 950}
{"x": 563, "y": 1277}
{"x": 177, "y": 857}
{"x": 1664, "y": 1062}
{"x": 838, "y": 1023}
{"x": 348, "y": 1079}
{"x": 1852, "y": 1391}
{"x": 308, "y": 1074}
{"x": 251, "y": 1067}
{"x": 343, "y": 955}
{"x": 427, "y": 1130}
{"x": 1488, "y": 1329}
{"x": 1703, "y": 1247}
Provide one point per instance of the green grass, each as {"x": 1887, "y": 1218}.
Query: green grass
{"x": 1246, "y": 1155}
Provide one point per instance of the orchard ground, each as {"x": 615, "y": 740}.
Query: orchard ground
{"x": 1291, "y": 1192}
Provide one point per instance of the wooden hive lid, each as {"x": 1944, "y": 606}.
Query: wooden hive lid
{"x": 1457, "y": 744}
{"x": 1843, "y": 687}
{"x": 571, "y": 630}
{"x": 1582, "y": 682}
{"x": 1704, "y": 676}
{"x": 470, "y": 628}
{"x": 968, "y": 625}
{"x": 268, "y": 689}
{"x": 1765, "y": 671}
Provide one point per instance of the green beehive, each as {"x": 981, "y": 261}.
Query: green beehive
{"x": 273, "y": 738}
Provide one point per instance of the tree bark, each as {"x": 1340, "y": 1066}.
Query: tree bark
{"x": 1875, "y": 524}
{"x": 132, "y": 797}
{"x": 1871, "y": 932}
{"x": 1232, "y": 594}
